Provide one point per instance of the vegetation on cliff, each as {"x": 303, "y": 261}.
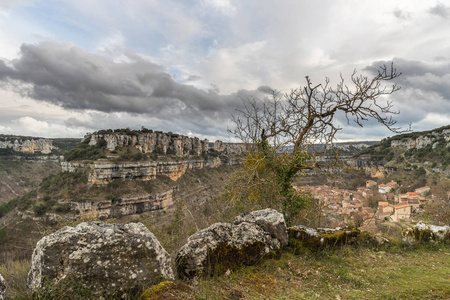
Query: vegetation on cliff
{"x": 84, "y": 151}
{"x": 434, "y": 154}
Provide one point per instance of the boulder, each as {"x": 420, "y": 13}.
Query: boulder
{"x": 222, "y": 247}
{"x": 422, "y": 232}
{"x": 314, "y": 239}
{"x": 108, "y": 259}
{"x": 2, "y": 287}
{"x": 268, "y": 219}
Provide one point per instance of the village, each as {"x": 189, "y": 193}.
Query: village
{"x": 366, "y": 206}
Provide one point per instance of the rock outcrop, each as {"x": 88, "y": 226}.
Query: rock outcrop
{"x": 104, "y": 172}
{"x": 421, "y": 141}
{"x": 2, "y": 287}
{"x": 22, "y": 144}
{"x": 301, "y": 237}
{"x": 147, "y": 142}
{"x": 108, "y": 259}
{"x": 224, "y": 246}
{"x": 422, "y": 232}
{"x": 123, "y": 206}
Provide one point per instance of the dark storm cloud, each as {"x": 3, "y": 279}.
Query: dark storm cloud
{"x": 75, "y": 79}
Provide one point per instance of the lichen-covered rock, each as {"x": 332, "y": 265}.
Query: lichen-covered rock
{"x": 224, "y": 246}
{"x": 108, "y": 258}
{"x": 268, "y": 219}
{"x": 422, "y": 232}
{"x": 308, "y": 237}
{"x": 2, "y": 287}
{"x": 316, "y": 239}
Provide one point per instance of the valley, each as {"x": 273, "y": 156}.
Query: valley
{"x": 177, "y": 185}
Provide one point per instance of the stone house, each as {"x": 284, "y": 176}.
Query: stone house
{"x": 402, "y": 212}
{"x": 423, "y": 190}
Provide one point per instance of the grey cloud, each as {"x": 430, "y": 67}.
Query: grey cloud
{"x": 75, "y": 79}
{"x": 401, "y": 14}
{"x": 425, "y": 89}
{"x": 440, "y": 10}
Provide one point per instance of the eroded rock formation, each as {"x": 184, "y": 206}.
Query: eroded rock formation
{"x": 423, "y": 140}
{"x": 224, "y": 246}
{"x": 147, "y": 142}
{"x": 103, "y": 172}
{"x": 21, "y": 144}
{"x": 108, "y": 259}
{"x": 124, "y": 206}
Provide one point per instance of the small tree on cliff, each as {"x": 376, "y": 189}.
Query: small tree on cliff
{"x": 283, "y": 132}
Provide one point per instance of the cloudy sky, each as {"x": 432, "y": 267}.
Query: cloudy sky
{"x": 72, "y": 67}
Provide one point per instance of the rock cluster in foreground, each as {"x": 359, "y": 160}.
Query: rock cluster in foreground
{"x": 111, "y": 259}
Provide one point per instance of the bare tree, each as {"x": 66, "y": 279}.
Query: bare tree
{"x": 305, "y": 117}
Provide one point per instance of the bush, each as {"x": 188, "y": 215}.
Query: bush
{"x": 84, "y": 152}
{"x": 40, "y": 209}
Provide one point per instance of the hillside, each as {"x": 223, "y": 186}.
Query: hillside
{"x": 427, "y": 149}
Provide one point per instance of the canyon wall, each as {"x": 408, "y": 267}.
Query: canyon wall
{"x": 124, "y": 206}
{"x": 103, "y": 172}
{"x": 27, "y": 145}
{"x": 147, "y": 142}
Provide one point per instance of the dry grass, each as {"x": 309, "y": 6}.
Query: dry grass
{"x": 15, "y": 275}
{"x": 347, "y": 273}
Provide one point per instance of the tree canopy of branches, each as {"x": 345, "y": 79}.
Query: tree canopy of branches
{"x": 282, "y": 132}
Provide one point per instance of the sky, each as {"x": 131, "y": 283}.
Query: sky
{"x": 72, "y": 67}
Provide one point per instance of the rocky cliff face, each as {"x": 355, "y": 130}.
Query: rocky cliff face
{"x": 421, "y": 141}
{"x": 103, "y": 172}
{"x": 21, "y": 144}
{"x": 229, "y": 148}
{"x": 165, "y": 143}
{"x": 124, "y": 206}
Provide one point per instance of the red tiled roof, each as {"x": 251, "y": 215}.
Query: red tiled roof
{"x": 398, "y": 206}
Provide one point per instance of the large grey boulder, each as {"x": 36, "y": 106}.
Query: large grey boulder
{"x": 422, "y": 232}
{"x": 108, "y": 259}
{"x": 268, "y": 219}
{"x": 224, "y": 246}
{"x": 2, "y": 287}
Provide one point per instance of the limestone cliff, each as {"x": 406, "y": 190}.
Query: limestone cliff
{"x": 124, "y": 205}
{"x": 420, "y": 141}
{"x": 147, "y": 142}
{"x": 104, "y": 172}
{"x": 27, "y": 145}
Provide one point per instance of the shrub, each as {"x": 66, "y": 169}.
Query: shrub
{"x": 40, "y": 209}
{"x": 84, "y": 152}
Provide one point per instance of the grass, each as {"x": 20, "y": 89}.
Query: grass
{"x": 420, "y": 272}
{"x": 15, "y": 275}
{"x": 347, "y": 273}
